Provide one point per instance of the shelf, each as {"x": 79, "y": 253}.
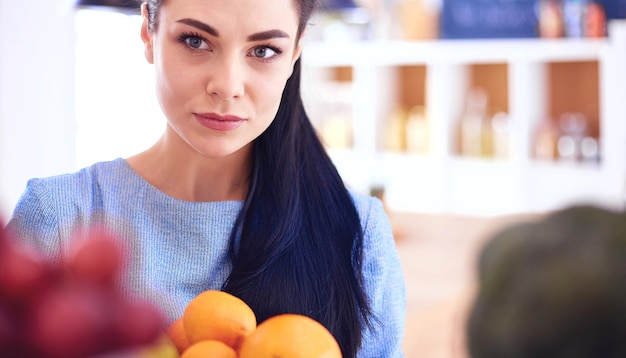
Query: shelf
{"x": 529, "y": 80}
{"x": 397, "y": 53}
{"x": 474, "y": 186}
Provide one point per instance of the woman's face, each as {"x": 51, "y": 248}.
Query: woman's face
{"x": 221, "y": 67}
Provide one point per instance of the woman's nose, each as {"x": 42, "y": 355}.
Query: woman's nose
{"x": 227, "y": 81}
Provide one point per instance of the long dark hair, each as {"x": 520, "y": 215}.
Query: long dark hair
{"x": 297, "y": 244}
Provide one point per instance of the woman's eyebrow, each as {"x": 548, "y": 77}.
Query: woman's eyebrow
{"x": 266, "y": 35}
{"x": 200, "y": 25}
{"x": 259, "y": 36}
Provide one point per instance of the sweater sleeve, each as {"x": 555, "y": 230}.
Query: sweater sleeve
{"x": 385, "y": 285}
{"x": 34, "y": 221}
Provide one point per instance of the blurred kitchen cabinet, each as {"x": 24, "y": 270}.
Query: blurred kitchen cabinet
{"x": 463, "y": 125}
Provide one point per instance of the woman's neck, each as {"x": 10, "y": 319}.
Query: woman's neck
{"x": 181, "y": 172}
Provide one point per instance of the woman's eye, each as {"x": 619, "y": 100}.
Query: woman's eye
{"x": 264, "y": 52}
{"x": 195, "y": 42}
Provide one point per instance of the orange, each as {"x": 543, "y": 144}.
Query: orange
{"x": 209, "y": 349}
{"x": 290, "y": 335}
{"x": 178, "y": 336}
{"x": 217, "y": 315}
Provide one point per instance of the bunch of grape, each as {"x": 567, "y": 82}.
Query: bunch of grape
{"x": 70, "y": 308}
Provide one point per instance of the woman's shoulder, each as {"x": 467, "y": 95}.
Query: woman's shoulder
{"x": 77, "y": 190}
{"x": 361, "y": 199}
{"x": 364, "y": 203}
{"x": 83, "y": 178}
{"x": 371, "y": 212}
{"x": 50, "y": 206}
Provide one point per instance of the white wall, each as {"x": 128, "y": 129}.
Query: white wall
{"x": 117, "y": 112}
{"x": 36, "y": 93}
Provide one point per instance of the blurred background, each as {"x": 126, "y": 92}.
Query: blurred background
{"x": 462, "y": 115}
{"x": 462, "y": 106}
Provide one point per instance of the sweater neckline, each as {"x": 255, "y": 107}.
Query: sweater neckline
{"x": 159, "y": 193}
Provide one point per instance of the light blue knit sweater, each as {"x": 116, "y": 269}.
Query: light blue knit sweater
{"x": 180, "y": 248}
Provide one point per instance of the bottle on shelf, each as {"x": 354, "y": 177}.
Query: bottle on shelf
{"x": 394, "y": 139}
{"x": 332, "y": 114}
{"x": 486, "y": 138}
{"x": 590, "y": 150}
{"x": 419, "y": 19}
{"x": 500, "y": 127}
{"x": 551, "y": 23}
{"x": 417, "y": 131}
{"x": 544, "y": 143}
{"x": 595, "y": 20}
{"x": 337, "y": 131}
{"x": 573, "y": 17}
{"x": 573, "y": 127}
{"x": 567, "y": 149}
{"x": 471, "y": 122}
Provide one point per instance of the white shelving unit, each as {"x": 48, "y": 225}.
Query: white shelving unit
{"x": 442, "y": 181}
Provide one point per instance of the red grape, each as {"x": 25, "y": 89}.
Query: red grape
{"x": 96, "y": 257}
{"x": 137, "y": 322}
{"x": 71, "y": 309}
{"x": 69, "y": 322}
{"x": 22, "y": 274}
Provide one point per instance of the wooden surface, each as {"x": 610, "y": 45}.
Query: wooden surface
{"x": 437, "y": 254}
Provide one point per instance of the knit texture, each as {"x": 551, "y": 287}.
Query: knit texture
{"x": 180, "y": 248}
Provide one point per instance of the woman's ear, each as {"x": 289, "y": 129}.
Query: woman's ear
{"x": 298, "y": 50}
{"x": 146, "y": 36}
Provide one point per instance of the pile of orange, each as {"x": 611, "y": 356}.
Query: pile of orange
{"x": 220, "y": 325}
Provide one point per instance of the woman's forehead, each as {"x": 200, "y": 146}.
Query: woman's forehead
{"x": 243, "y": 13}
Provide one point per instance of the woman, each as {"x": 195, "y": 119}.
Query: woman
{"x": 238, "y": 194}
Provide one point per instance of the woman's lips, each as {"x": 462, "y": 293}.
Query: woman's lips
{"x": 218, "y": 122}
